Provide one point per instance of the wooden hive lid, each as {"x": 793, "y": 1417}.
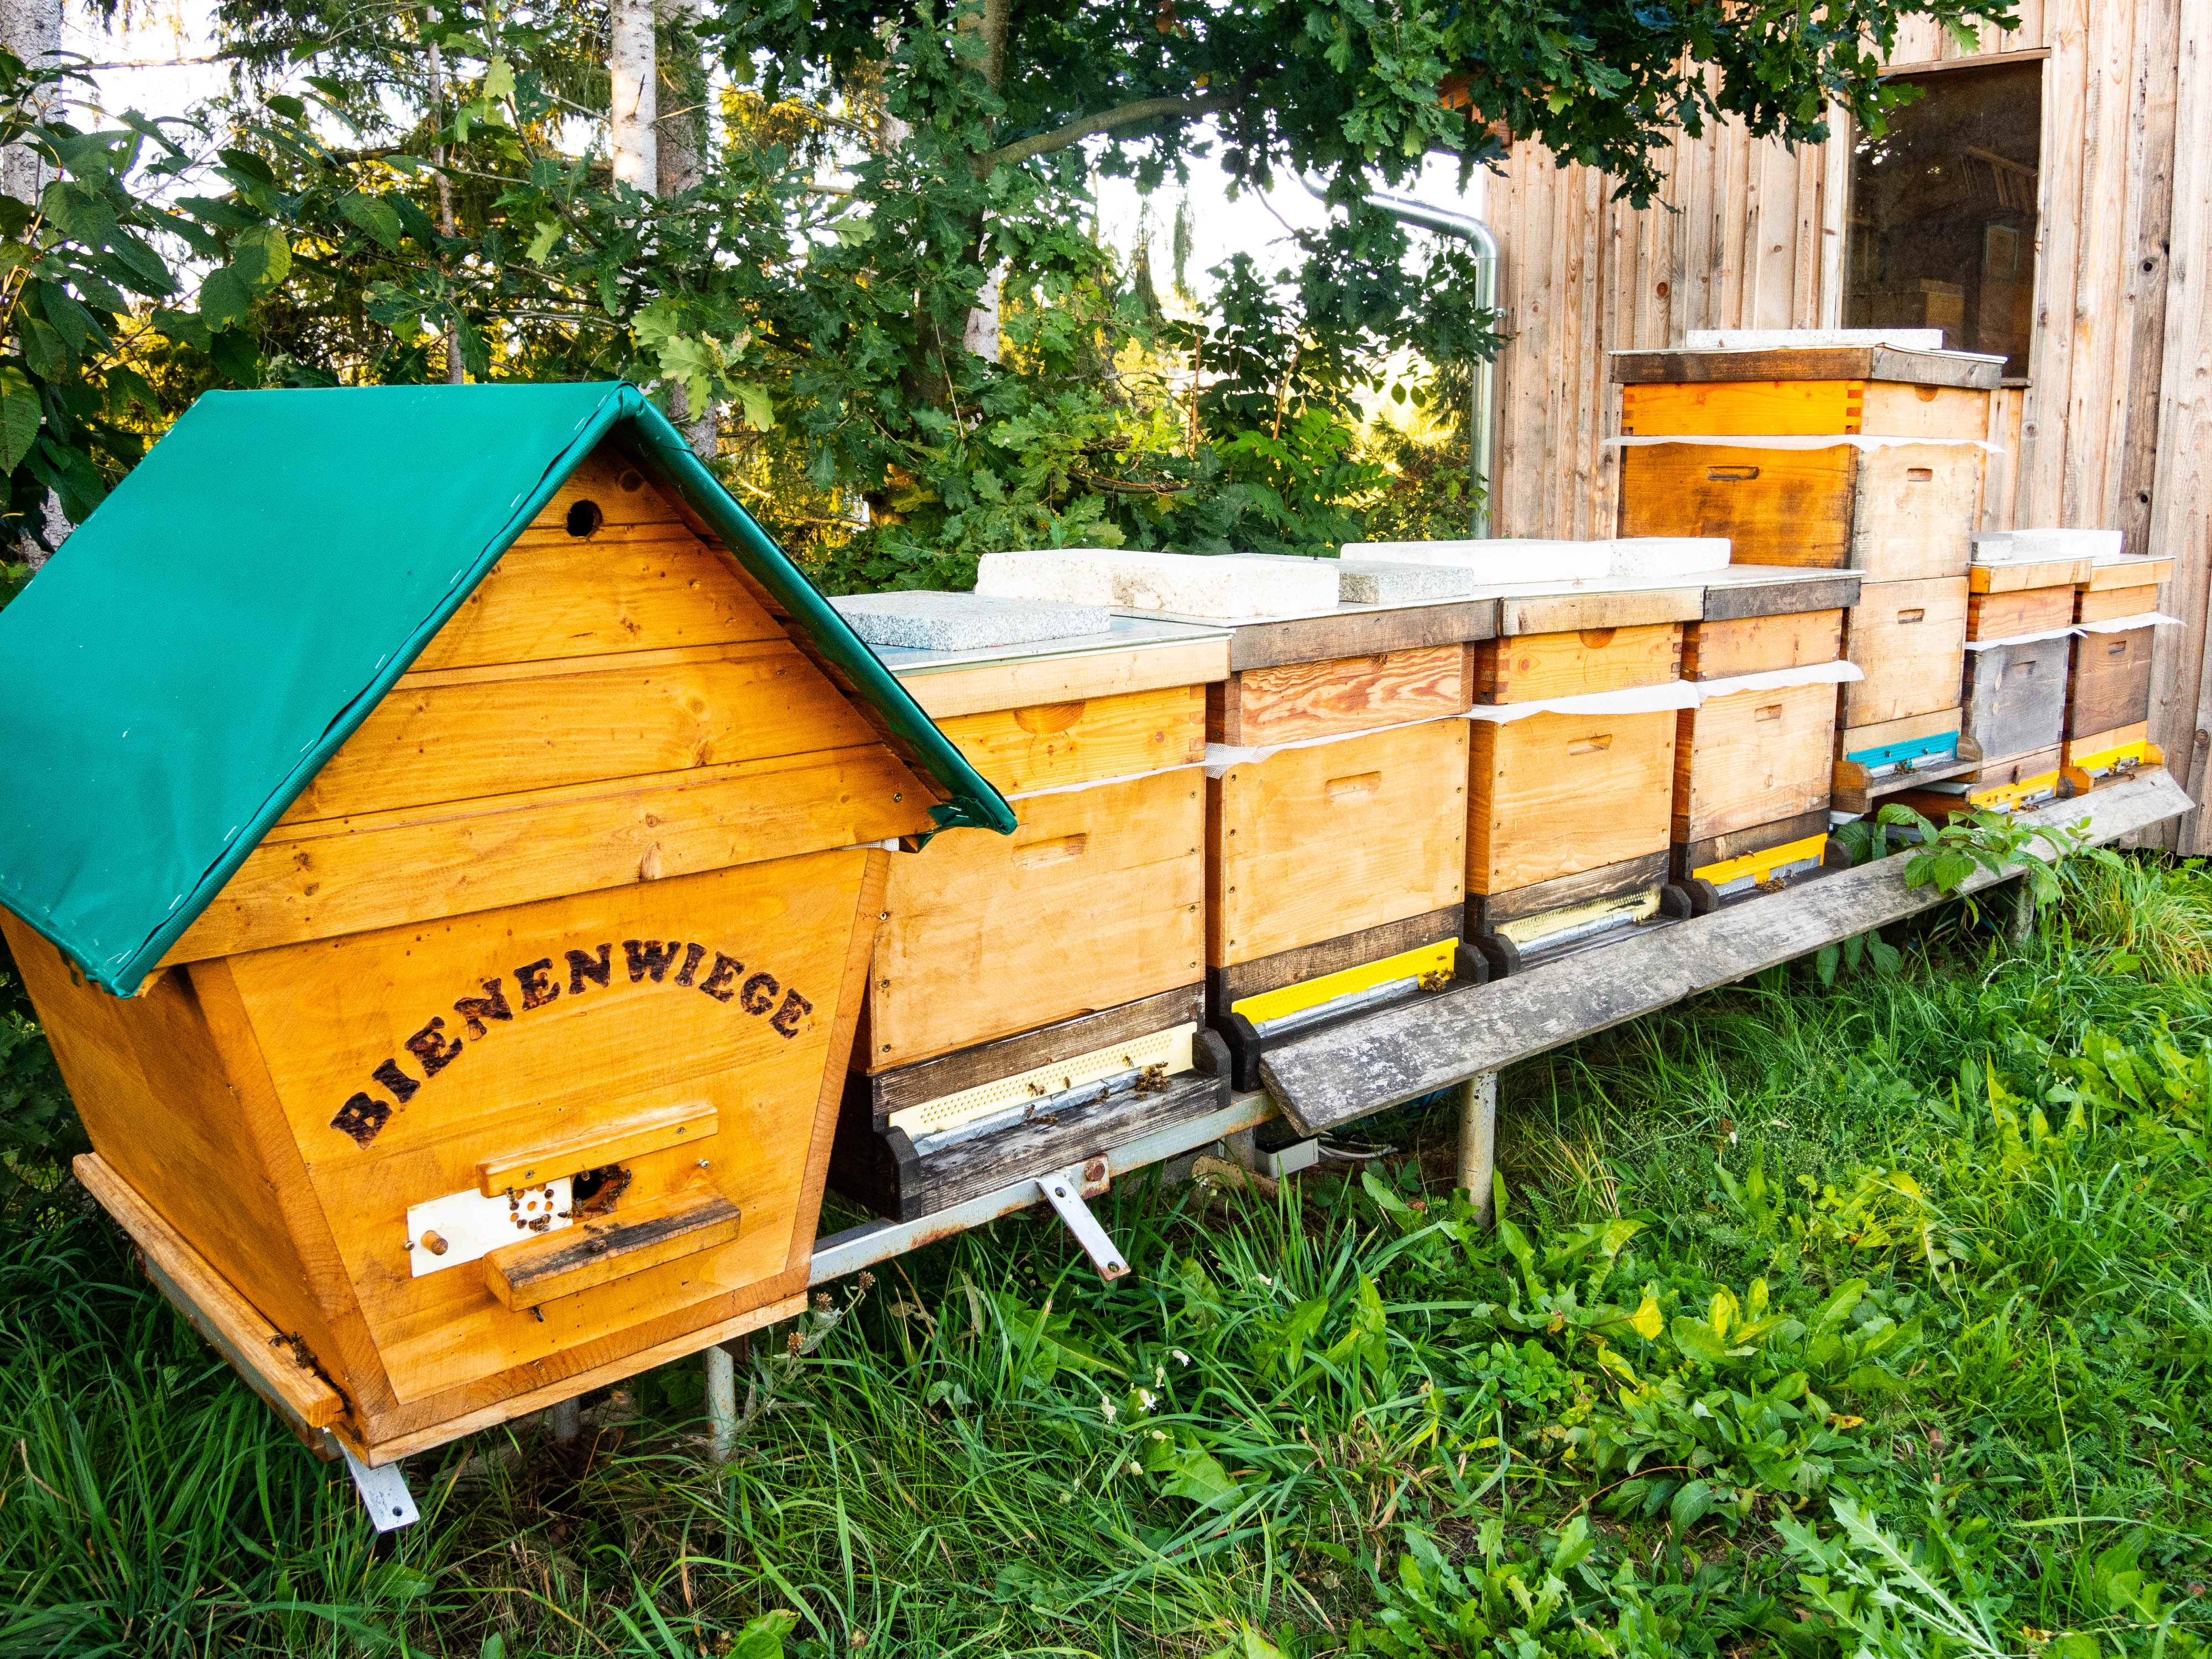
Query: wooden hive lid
{"x": 181, "y": 672}
{"x": 1834, "y": 362}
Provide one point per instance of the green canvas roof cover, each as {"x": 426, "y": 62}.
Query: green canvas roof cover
{"x": 211, "y": 634}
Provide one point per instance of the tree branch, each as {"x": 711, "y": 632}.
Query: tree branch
{"x": 1145, "y": 109}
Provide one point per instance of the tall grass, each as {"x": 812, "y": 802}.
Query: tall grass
{"x": 1872, "y": 1319}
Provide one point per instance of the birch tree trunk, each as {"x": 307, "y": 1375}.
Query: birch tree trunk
{"x": 32, "y": 29}
{"x": 633, "y": 104}
{"x": 454, "y": 365}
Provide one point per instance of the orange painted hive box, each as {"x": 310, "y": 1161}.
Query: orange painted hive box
{"x": 447, "y": 862}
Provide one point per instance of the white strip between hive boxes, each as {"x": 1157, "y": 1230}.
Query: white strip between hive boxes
{"x": 466, "y": 1226}
{"x": 1168, "y": 1050}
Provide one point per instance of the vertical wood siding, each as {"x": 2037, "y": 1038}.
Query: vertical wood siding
{"x": 2114, "y": 429}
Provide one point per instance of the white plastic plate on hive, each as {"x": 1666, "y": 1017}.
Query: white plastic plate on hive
{"x": 471, "y": 1226}
{"x": 1169, "y": 1049}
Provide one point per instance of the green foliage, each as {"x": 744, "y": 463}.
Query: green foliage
{"x": 39, "y": 1129}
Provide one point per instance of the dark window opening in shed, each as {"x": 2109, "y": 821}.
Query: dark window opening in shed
{"x": 1943, "y": 216}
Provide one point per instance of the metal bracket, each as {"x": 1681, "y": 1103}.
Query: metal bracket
{"x": 383, "y": 1492}
{"x": 1065, "y": 1191}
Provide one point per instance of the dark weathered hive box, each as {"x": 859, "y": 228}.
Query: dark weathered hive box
{"x": 496, "y": 1055}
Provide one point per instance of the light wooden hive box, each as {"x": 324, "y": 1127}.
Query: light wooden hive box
{"x": 1333, "y": 847}
{"x": 1753, "y": 768}
{"x": 1569, "y": 813}
{"x": 1899, "y": 514}
{"x": 2108, "y": 687}
{"x": 2014, "y": 707}
{"x": 1036, "y": 999}
{"x": 496, "y": 1054}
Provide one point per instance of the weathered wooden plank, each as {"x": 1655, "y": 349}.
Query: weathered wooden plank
{"x": 2027, "y": 610}
{"x": 1912, "y": 512}
{"x": 1829, "y": 363}
{"x": 1733, "y": 601}
{"x": 1074, "y": 676}
{"x": 2111, "y": 684}
{"x": 1055, "y": 745}
{"x": 1067, "y": 1039}
{"x": 1760, "y": 645}
{"x": 1400, "y": 1054}
{"x": 1487, "y": 912}
{"x": 1619, "y": 607}
{"x": 1910, "y": 639}
{"x": 599, "y": 1250}
{"x": 2015, "y": 697}
{"x": 2106, "y": 604}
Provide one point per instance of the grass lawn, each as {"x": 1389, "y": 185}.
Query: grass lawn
{"x": 1864, "y": 1319}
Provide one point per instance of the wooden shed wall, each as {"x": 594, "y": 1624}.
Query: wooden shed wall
{"x": 2113, "y": 428}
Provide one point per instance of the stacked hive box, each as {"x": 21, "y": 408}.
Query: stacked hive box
{"x": 1334, "y": 846}
{"x": 1752, "y": 760}
{"x": 1036, "y": 999}
{"x": 449, "y": 966}
{"x": 2108, "y": 693}
{"x": 1892, "y": 494}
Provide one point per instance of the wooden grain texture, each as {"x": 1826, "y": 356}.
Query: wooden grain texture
{"x": 156, "y": 1095}
{"x": 1531, "y": 667}
{"x": 2015, "y": 697}
{"x": 1811, "y": 591}
{"x": 402, "y": 1059}
{"x": 1487, "y": 912}
{"x": 2111, "y": 682}
{"x": 1909, "y": 640}
{"x": 2109, "y": 603}
{"x": 2131, "y": 573}
{"x": 2019, "y": 768}
{"x": 686, "y": 1123}
{"x": 1760, "y": 645}
{"x": 599, "y": 1250}
{"x": 1401, "y": 1053}
{"x": 1227, "y": 986}
{"x": 1556, "y": 794}
{"x": 1258, "y": 707}
{"x": 1913, "y": 510}
{"x": 1751, "y": 758}
{"x": 440, "y": 737}
{"x": 1757, "y": 409}
{"x": 264, "y": 1358}
{"x": 1911, "y": 728}
{"x": 354, "y": 875}
{"x": 1350, "y": 632}
{"x": 2027, "y": 610}
{"x": 983, "y": 688}
{"x": 1311, "y": 844}
{"x": 1621, "y": 607}
{"x": 1896, "y": 408}
{"x": 1776, "y": 506}
{"x": 1828, "y": 364}
{"x": 1067, "y": 1039}
{"x": 1097, "y": 900}
{"x": 2011, "y": 578}
{"x": 1055, "y": 745}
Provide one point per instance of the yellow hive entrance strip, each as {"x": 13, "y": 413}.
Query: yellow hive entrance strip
{"x": 2105, "y": 760}
{"x": 1288, "y": 1000}
{"x": 2029, "y": 791}
{"x": 1169, "y": 1049}
{"x": 1762, "y": 864}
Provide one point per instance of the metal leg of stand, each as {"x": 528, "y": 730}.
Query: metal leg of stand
{"x": 721, "y": 1362}
{"x": 565, "y": 1419}
{"x": 1064, "y": 1192}
{"x": 1477, "y": 1140}
{"x": 383, "y": 1492}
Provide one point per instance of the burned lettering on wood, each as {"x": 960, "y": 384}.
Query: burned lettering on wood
{"x": 537, "y": 990}
{"x": 432, "y": 1052}
{"x": 650, "y": 957}
{"x": 364, "y": 1115}
{"x": 474, "y": 1011}
{"x": 717, "y": 984}
{"x": 583, "y": 967}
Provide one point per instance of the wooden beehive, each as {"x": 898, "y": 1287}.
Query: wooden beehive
{"x": 1753, "y": 768}
{"x": 2013, "y": 700}
{"x": 1893, "y": 512}
{"x": 1334, "y": 868}
{"x": 1066, "y": 956}
{"x": 504, "y": 1063}
{"x": 2108, "y": 690}
{"x": 1569, "y": 812}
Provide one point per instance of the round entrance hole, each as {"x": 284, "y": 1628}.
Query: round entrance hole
{"x": 584, "y": 518}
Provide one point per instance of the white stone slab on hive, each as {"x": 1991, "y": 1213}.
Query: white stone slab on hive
{"x": 1501, "y": 559}
{"x": 1183, "y": 584}
{"x": 1375, "y": 581}
{"x": 926, "y": 620}
{"x": 1635, "y": 558}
